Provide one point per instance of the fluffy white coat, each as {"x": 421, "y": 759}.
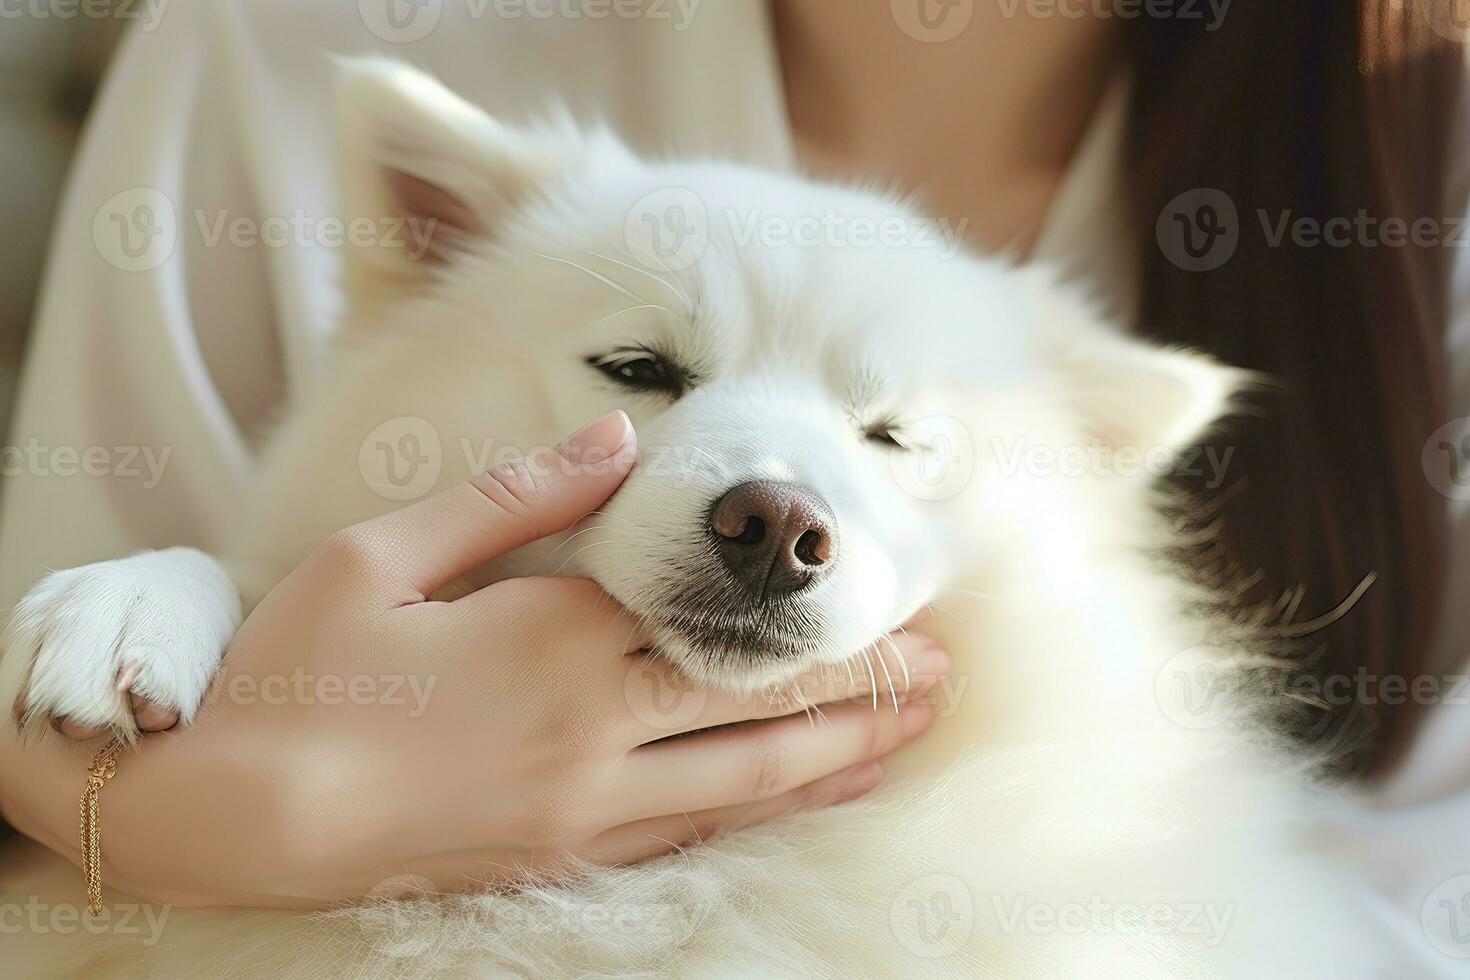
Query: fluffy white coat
{"x": 1086, "y": 806}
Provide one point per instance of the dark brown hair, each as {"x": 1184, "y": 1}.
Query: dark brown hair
{"x": 1323, "y": 109}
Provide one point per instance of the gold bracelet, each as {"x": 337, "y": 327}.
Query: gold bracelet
{"x": 102, "y": 768}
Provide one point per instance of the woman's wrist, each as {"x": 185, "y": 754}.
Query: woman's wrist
{"x": 40, "y": 784}
{"x": 168, "y": 819}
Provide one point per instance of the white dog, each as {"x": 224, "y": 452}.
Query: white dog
{"x": 898, "y": 426}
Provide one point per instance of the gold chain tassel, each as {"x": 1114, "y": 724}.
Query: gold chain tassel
{"x": 102, "y": 768}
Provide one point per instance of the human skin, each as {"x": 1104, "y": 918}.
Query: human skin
{"x": 980, "y": 125}
{"x": 488, "y": 735}
{"x": 983, "y": 126}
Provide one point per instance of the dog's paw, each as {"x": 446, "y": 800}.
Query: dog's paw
{"x": 119, "y": 646}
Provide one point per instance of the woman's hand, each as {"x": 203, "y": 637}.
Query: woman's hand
{"x": 361, "y": 731}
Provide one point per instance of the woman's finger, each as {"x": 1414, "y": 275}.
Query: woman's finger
{"x": 662, "y": 701}
{"x": 649, "y": 838}
{"x": 759, "y": 761}
{"x": 421, "y": 548}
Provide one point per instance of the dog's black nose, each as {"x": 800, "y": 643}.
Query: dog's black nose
{"x": 775, "y": 538}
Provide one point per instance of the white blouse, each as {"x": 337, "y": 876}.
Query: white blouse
{"x": 159, "y": 351}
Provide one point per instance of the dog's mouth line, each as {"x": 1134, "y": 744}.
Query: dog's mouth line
{"x": 695, "y": 639}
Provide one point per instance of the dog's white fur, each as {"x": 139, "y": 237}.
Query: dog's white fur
{"x": 1057, "y": 779}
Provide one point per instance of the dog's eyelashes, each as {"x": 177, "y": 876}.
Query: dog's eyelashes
{"x": 642, "y": 369}
{"x": 644, "y": 372}
{"x": 885, "y": 434}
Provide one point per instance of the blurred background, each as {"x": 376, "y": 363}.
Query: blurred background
{"x": 49, "y": 68}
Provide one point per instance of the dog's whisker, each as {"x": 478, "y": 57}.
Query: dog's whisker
{"x": 574, "y": 554}
{"x": 872, "y": 678}
{"x": 1294, "y": 606}
{"x": 572, "y": 537}
{"x": 672, "y": 287}
{"x": 898, "y": 655}
{"x": 714, "y": 463}
{"x": 955, "y": 588}
{"x": 611, "y": 517}
{"x": 805, "y": 707}
{"x": 887, "y": 677}
{"x": 970, "y": 593}
{"x": 600, "y": 278}
{"x": 936, "y": 607}
{"x": 674, "y": 280}
{"x": 630, "y": 309}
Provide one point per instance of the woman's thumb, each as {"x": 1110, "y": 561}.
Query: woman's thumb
{"x": 510, "y": 505}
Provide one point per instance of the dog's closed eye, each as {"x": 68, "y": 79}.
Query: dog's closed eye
{"x": 885, "y": 432}
{"x": 644, "y": 369}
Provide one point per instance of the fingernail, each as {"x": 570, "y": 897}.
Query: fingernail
{"x": 151, "y": 717}
{"x": 126, "y": 674}
{"x": 72, "y": 730}
{"x": 598, "y": 440}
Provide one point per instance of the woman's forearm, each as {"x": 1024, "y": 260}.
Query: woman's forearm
{"x": 41, "y": 783}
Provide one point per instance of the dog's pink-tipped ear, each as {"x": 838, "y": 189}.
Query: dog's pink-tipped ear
{"x": 1130, "y": 394}
{"x": 429, "y": 172}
